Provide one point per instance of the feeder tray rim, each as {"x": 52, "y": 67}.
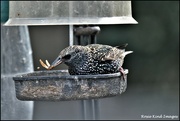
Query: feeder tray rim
{"x": 28, "y": 76}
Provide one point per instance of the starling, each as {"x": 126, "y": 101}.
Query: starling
{"x": 92, "y": 59}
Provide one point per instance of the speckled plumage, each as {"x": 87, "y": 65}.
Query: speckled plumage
{"x": 92, "y": 59}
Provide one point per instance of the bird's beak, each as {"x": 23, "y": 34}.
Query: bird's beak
{"x": 56, "y": 62}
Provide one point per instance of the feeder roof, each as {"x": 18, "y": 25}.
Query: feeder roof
{"x": 69, "y": 12}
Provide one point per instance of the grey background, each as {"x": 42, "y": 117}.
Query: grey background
{"x": 153, "y": 79}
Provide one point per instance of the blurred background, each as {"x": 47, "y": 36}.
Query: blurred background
{"x": 153, "y": 79}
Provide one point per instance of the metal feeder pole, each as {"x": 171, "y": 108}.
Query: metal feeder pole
{"x": 83, "y": 36}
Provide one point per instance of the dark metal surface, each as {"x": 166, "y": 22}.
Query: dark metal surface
{"x": 58, "y": 85}
{"x": 84, "y": 35}
{"x": 89, "y": 30}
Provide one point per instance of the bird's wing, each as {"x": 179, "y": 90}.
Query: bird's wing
{"x": 113, "y": 54}
{"x": 105, "y": 52}
{"x": 122, "y": 46}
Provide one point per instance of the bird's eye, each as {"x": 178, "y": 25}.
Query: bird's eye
{"x": 67, "y": 57}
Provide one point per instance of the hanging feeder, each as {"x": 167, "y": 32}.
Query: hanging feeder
{"x": 56, "y": 85}
{"x": 70, "y": 13}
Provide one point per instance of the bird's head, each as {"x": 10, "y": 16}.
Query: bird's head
{"x": 67, "y": 55}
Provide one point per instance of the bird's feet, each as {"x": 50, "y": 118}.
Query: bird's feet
{"x": 122, "y": 72}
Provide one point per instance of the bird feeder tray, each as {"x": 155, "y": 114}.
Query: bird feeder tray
{"x": 58, "y": 85}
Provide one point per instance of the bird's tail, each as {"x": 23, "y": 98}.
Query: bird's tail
{"x": 127, "y": 52}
